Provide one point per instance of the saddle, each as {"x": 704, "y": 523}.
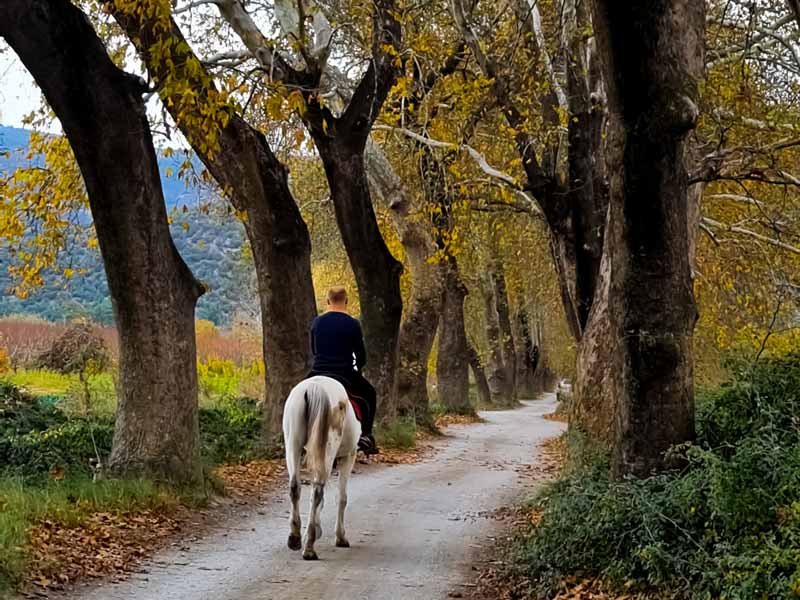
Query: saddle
{"x": 356, "y": 401}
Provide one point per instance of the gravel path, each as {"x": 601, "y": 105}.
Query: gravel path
{"x": 414, "y": 528}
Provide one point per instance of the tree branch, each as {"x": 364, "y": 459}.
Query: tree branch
{"x": 740, "y": 230}
{"x": 476, "y": 156}
{"x": 262, "y": 49}
{"x": 192, "y": 6}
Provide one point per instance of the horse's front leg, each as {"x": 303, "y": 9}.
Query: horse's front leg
{"x": 314, "y": 529}
{"x": 344, "y": 476}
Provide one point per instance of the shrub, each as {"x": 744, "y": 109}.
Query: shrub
{"x": 217, "y": 379}
{"x": 80, "y": 349}
{"x": 37, "y": 438}
{"x": 21, "y": 412}
{"x": 728, "y": 525}
{"x": 401, "y": 433}
{"x": 68, "y": 448}
{"x": 231, "y": 431}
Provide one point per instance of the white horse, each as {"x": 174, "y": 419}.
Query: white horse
{"x": 319, "y": 417}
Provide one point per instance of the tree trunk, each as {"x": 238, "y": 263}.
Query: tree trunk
{"x": 481, "y": 382}
{"x": 152, "y": 290}
{"x": 498, "y": 386}
{"x": 256, "y": 184}
{"x": 341, "y": 142}
{"x": 506, "y": 332}
{"x": 452, "y": 364}
{"x": 593, "y": 409}
{"x": 376, "y": 271}
{"x": 587, "y": 187}
{"x": 653, "y": 59}
{"x": 527, "y": 351}
{"x": 421, "y": 314}
{"x": 281, "y": 249}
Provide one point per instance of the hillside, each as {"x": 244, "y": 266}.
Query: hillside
{"x": 211, "y": 246}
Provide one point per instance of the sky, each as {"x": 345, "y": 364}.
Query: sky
{"x": 18, "y": 93}
{"x": 19, "y": 96}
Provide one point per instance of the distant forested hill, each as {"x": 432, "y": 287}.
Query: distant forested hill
{"x": 211, "y": 246}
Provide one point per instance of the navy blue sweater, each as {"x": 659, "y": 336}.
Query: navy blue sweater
{"x": 337, "y": 343}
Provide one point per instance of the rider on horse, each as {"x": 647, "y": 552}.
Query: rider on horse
{"x": 337, "y": 347}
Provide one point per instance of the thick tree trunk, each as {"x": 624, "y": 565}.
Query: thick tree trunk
{"x": 506, "y": 331}
{"x": 256, "y": 184}
{"x": 587, "y": 187}
{"x": 376, "y": 271}
{"x": 452, "y": 360}
{"x": 341, "y": 141}
{"x": 422, "y": 310}
{"x": 653, "y": 59}
{"x": 495, "y": 367}
{"x": 478, "y": 373}
{"x": 593, "y": 409}
{"x": 153, "y": 292}
{"x": 527, "y": 351}
{"x": 281, "y": 246}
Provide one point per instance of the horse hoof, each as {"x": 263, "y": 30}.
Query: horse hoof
{"x": 342, "y": 543}
{"x": 310, "y": 555}
{"x": 294, "y": 542}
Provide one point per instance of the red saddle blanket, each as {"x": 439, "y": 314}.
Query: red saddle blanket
{"x": 355, "y": 403}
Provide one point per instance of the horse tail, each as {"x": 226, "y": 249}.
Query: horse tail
{"x": 321, "y": 419}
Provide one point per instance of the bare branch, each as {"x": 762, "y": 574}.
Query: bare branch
{"x": 528, "y": 14}
{"x": 255, "y": 41}
{"x": 755, "y": 123}
{"x": 735, "y": 198}
{"x": 740, "y": 230}
{"x": 479, "y": 159}
{"x": 228, "y": 59}
{"x": 291, "y": 20}
{"x": 192, "y": 6}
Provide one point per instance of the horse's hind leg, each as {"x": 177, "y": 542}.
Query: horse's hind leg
{"x": 345, "y": 469}
{"x": 313, "y": 530}
{"x": 293, "y": 467}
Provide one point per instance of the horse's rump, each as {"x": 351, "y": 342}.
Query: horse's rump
{"x": 321, "y": 417}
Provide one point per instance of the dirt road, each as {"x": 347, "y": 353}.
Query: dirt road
{"x": 413, "y": 528}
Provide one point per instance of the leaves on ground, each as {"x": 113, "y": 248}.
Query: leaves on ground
{"x": 103, "y": 544}
{"x": 557, "y": 416}
{"x": 108, "y": 544}
{"x": 251, "y": 481}
{"x": 446, "y": 420}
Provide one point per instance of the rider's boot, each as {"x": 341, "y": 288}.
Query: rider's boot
{"x": 367, "y": 444}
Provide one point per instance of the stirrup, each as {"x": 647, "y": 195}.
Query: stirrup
{"x": 366, "y": 444}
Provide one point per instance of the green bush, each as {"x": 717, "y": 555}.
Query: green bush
{"x": 71, "y": 446}
{"x": 401, "y": 433}
{"x": 231, "y": 431}
{"x": 727, "y": 525}
{"x": 36, "y": 437}
{"x": 21, "y": 412}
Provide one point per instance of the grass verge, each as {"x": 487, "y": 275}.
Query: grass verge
{"x": 69, "y": 502}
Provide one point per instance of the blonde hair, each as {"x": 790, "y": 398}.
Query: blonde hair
{"x": 337, "y": 295}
